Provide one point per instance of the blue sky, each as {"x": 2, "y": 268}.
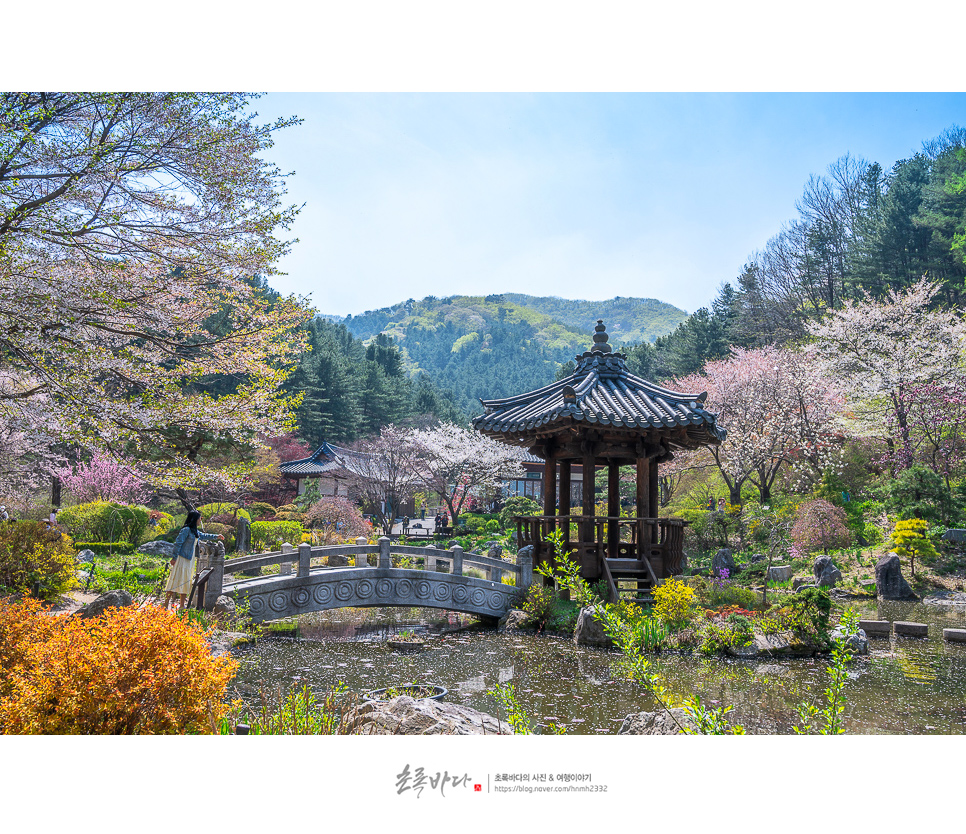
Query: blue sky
{"x": 578, "y": 195}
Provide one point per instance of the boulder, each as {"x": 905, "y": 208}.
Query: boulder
{"x": 825, "y": 572}
{"x": 780, "y": 573}
{"x": 656, "y": 723}
{"x": 800, "y": 582}
{"x": 451, "y": 544}
{"x": 86, "y": 556}
{"x": 337, "y": 560}
{"x": 224, "y": 605}
{"x": 589, "y": 631}
{"x": 955, "y": 535}
{"x": 723, "y": 561}
{"x": 158, "y": 548}
{"x": 495, "y": 551}
{"x": 513, "y": 620}
{"x": 404, "y": 716}
{"x": 118, "y": 598}
{"x": 755, "y": 558}
{"x": 889, "y": 581}
{"x": 782, "y": 644}
{"x": 858, "y": 642}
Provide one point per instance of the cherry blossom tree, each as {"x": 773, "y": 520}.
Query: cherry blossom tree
{"x": 133, "y": 227}
{"x": 453, "y": 462}
{"x": 889, "y": 354}
{"x": 103, "y": 478}
{"x": 382, "y": 473}
{"x": 778, "y": 409}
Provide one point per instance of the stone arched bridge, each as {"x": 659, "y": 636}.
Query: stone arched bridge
{"x": 424, "y": 577}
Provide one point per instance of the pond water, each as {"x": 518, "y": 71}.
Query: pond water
{"x": 905, "y": 685}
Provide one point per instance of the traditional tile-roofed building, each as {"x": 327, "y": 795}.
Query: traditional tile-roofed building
{"x": 603, "y": 415}
{"x": 328, "y": 464}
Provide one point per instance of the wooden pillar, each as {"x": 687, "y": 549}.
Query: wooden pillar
{"x": 643, "y": 505}
{"x": 565, "y": 499}
{"x": 613, "y": 506}
{"x": 587, "y": 531}
{"x": 550, "y": 482}
{"x": 653, "y": 500}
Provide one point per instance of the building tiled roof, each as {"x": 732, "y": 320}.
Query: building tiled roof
{"x": 326, "y": 459}
{"x": 601, "y": 391}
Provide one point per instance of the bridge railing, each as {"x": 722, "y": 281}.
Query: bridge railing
{"x": 424, "y": 558}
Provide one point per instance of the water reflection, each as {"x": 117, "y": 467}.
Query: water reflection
{"x": 904, "y": 686}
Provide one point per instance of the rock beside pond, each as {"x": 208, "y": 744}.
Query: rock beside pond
{"x": 825, "y": 572}
{"x": 118, "y": 598}
{"x": 659, "y": 723}
{"x": 513, "y": 620}
{"x": 782, "y": 644}
{"x": 158, "y": 548}
{"x": 405, "y": 716}
{"x": 889, "y": 581}
{"x": 952, "y": 598}
{"x": 224, "y": 606}
{"x": 858, "y": 642}
{"x": 723, "y": 561}
{"x": 590, "y": 631}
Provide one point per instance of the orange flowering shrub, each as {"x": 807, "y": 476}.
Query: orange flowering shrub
{"x": 131, "y": 670}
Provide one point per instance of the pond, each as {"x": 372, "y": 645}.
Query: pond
{"x": 905, "y": 685}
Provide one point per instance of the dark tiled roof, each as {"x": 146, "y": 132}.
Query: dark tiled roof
{"x": 327, "y": 458}
{"x": 601, "y": 391}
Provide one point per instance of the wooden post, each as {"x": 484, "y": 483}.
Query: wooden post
{"x": 550, "y": 482}
{"x": 613, "y": 507}
{"x": 564, "y": 520}
{"x": 652, "y": 497}
{"x": 305, "y": 558}
{"x": 643, "y": 506}
{"x": 588, "y": 533}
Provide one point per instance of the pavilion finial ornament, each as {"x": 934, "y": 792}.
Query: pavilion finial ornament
{"x": 600, "y": 338}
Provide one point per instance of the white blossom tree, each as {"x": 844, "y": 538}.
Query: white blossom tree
{"x": 453, "y": 461}
{"x": 382, "y": 473}
{"x": 888, "y": 353}
{"x": 133, "y": 227}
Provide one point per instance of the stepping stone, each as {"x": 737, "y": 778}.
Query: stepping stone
{"x": 954, "y": 635}
{"x": 911, "y": 629}
{"x": 876, "y": 627}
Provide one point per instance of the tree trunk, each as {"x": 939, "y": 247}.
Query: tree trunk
{"x": 55, "y": 490}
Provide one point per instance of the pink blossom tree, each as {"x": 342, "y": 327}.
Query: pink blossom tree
{"x": 104, "y": 479}
{"x": 778, "y": 409}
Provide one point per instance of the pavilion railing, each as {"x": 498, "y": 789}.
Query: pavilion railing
{"x": 658, "y": 540}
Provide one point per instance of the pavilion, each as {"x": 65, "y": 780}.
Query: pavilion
{"x": 603, "y": 415}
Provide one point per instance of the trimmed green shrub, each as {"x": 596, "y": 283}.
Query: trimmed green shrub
{"x": 208, "y": 511}
{"x": 518, "y": 505}
{"x": 104, "y": 521}
{"x": 31, "y": 553}
{"x": 260, "y": 509}
{"x": 270, "y": 535}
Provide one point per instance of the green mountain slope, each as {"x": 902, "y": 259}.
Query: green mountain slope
{"x": 628, "y": 320}
{"x": 500, "y": 345}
